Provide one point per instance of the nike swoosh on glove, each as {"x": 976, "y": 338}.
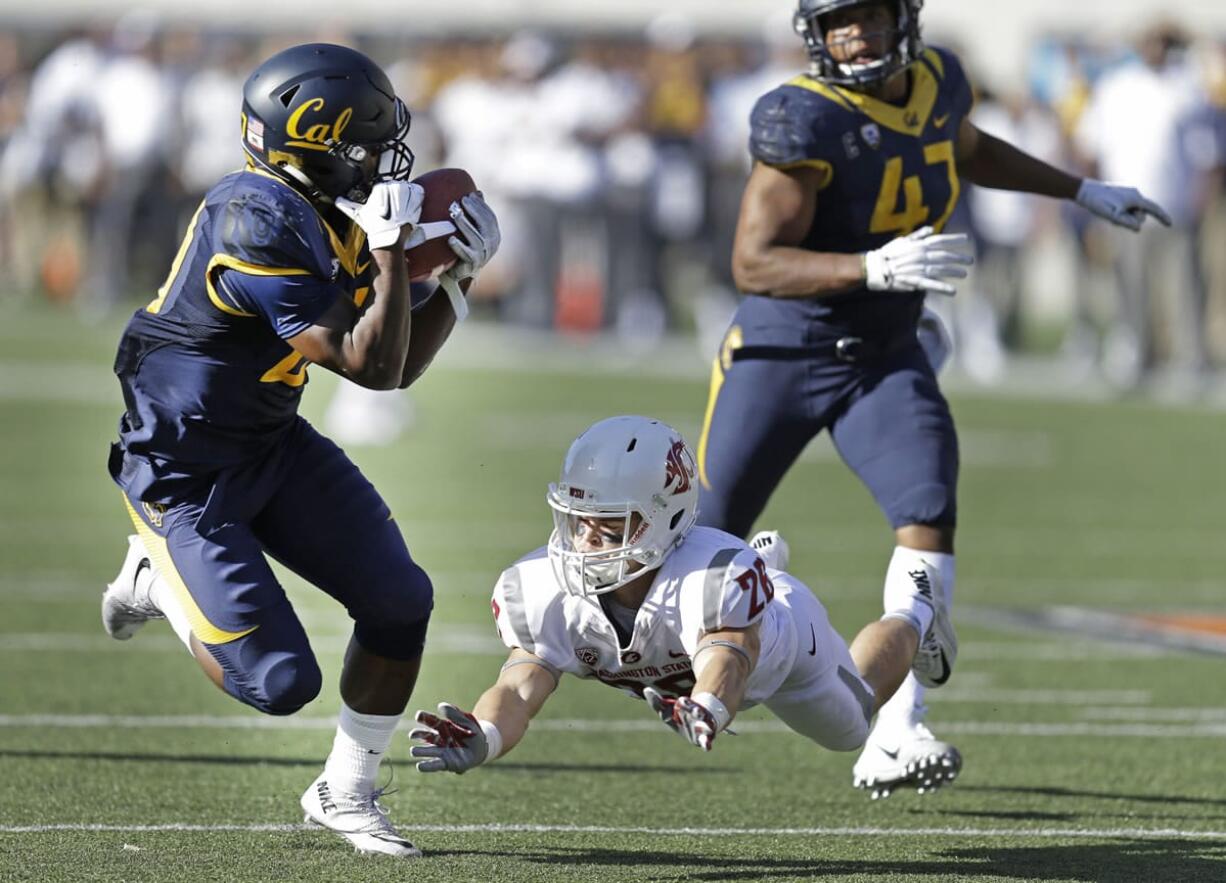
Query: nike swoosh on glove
{"x": 1122, "y": 206}
{"x": 452, "y": 740}
{"x": 390, "y": 206}
{"x": 919, "y": 262}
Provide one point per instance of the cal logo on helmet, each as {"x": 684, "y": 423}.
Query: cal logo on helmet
{"x": 318, "y": 134}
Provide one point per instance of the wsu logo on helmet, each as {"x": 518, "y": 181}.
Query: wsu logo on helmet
{"x": 679, "y": 468}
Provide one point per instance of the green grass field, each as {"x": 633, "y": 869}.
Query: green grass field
{"x": 1086, "y": 760}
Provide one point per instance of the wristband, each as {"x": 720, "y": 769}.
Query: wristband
{"x": 493, "y": 739}
{"x": 459, "y": 305}
{"x": 713, "y": 704}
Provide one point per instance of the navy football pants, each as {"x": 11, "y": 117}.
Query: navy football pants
{"x": 887, "y": 417}
{"x": 306, "y": 505}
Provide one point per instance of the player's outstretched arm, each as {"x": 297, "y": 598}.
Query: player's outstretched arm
{"x": 456, "y": 741}
{"x": 776, "y": 213}
{"x": 722, "y": 662}
{"x": 990, "y": 162}
{"x": 370, "y": 347}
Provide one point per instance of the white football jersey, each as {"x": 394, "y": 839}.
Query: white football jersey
{"x": 712, "y": 580}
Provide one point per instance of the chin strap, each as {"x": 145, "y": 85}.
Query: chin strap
{"x": 299, "y": 177}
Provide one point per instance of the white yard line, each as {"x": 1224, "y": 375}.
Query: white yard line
{"x": 1196, "y": 729}
{"x": 1027, "y": 833}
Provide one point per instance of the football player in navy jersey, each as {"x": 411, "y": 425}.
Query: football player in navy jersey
{"x": 858, "y": 165}
{"x": 297, "y": 259}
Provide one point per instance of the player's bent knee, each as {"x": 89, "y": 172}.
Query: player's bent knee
{"x": 394, "y": 624}
{"x": 400, "y": 641}
{"x": 851, "y": 738}
{"x": 931, "y": 504}
{"x": 286, "y": 683}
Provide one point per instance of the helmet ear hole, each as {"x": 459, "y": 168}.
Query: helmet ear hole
{"x": 672, "y": 525}
{"x": 287, "y": 96}
{"x": 634, "y": 441}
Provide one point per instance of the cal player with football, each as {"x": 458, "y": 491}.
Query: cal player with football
{"x": 858, "y": 166}
{"x": 298, "y": 259}
{"x": 629, "y": 592}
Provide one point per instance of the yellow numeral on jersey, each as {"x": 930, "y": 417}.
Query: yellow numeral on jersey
{"x": 291, "y": 371}
{"x": 888, "y": 217}
{"x": 935, "y": 154}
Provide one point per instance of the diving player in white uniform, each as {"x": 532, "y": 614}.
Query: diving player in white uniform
{"x": 692, "y": 619}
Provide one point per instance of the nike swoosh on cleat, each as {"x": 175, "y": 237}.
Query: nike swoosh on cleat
{"x": 813, "y": 634}
{"x": 892, "y": 755}
{"x": 945, "y": 667}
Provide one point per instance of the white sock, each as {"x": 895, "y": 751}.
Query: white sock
{"x": 906, "y": 706}
{"x": 908, "y": 578}
{"x": 163, "y": 598}
{"x": 360, "y": 743}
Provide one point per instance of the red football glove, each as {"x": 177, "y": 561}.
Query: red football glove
{"x": 684, "y": 716}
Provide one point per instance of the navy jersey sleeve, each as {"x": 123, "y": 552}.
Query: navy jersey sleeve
{"x": 954, "y": 81}
{"x": 786, "y": 131}
{"x": 781, "y": 128}
{"x": 290, "y": 304}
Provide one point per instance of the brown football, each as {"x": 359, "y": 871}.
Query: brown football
{"x": 443, "y": 187}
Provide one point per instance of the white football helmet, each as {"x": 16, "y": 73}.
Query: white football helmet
{"x": 618, "y": 468}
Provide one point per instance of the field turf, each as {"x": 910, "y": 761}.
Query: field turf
{"x": 1086, "y": 759}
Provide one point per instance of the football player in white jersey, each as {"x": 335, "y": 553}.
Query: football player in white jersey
{"x": 629, "y": 592}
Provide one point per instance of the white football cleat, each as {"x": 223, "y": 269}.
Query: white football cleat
{"x": 359, "y": 819}
{"x": 934, "y": 658}
{"x": 771, "y": 548}
{"x": 905, "y": 758}
{"x": 126, "y": 605}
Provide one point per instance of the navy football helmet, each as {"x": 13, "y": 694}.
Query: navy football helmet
{"x": 907, "y": 43}
{"x": 317, "y": 114}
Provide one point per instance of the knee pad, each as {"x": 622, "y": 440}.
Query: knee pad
{"x": 279, "y": 683}
{"x": 398, "y": 641}
{"x": 394, "y": 624}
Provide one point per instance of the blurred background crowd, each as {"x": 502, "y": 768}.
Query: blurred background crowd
{"x": 616, "y": 163}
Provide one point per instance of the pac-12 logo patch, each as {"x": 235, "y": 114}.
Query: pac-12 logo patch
{"x": 871, "y": 135}
{"x": 588, "y": 656}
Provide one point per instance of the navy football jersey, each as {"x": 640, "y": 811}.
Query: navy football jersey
{"x": 208, "y": 379}
{"x": 886, "y": 169}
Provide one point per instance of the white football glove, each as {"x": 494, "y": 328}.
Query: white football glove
{"x": 478, "y": 225}
{"x": 919, "y": 262}
{"x": 1122, "y": 206}
{"x": 454, "y": 740}
{"x": 695, "y": 718}
{"x": 476, "y": 222}
{"x": 390, "y": 206}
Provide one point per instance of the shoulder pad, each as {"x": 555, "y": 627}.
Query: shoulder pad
{"x": 510, "y": 610}
{"x": 951, "y": 75}
{"x": 266, "y": 224}
{"x": 787, "y": 126}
